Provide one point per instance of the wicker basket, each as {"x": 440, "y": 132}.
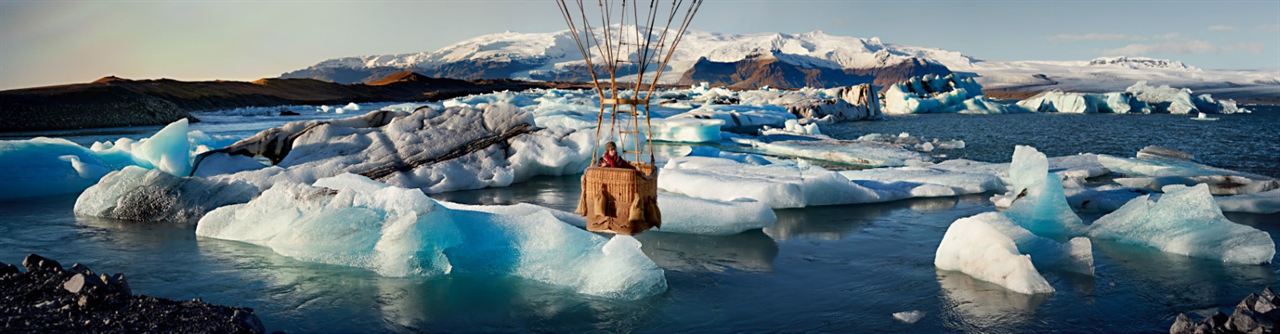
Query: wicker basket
{"x": 620, "y": 200}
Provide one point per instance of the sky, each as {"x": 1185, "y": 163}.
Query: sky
{"x": 57, "y": 42}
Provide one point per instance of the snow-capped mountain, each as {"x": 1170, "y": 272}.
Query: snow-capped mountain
{"x": 554, "y": 56}
{"x": 780, "y": 60}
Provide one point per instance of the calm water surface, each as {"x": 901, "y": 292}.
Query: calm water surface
{"x": 835, "y": 269}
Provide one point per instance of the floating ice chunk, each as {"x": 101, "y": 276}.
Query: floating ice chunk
{"x": 401, "y": 232}
{"x": 50, "y": 166}
{"x": 686, "y": 130}
{"x": 1267, "y": 202}
{"x": 1159, "y": 166}
{"x": 1164, "y": 98}
{"x": 908, "y": 317}
{"x": 1075, "y": 255}
{"x": 138, "y": 194}
{"x": 739, "y": 116}
{"x": 682, "y": 214}
{"x": 434, "y": 150}
{"x": 939, "y": 94}
{"x": 1038, "y": 202}
{"x": 785, "y": 184}
{"x": 778, "y": 185}
{"x": 973, "y": 246}
{"x": 1085, "y": 103}
{"x": 927, "y": 182}
{"x": 793, "y": 127}
{"x": 856, "y": 152}
{"x": 1186, "y": 221}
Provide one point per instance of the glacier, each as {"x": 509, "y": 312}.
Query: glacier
{"x": 1186, "y": 221}
{"x": 353, "y": 221}
{"x": 52, "y": 166}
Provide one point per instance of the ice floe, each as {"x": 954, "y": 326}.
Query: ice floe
{"x": 353, "y": 221}
{"x": 1186, "y": 221}
{"x": 683, "y": 214}
{"x": 788, "y": 184}
{"x": 855, "y": 152}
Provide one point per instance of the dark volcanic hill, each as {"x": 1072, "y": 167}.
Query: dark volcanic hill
{"x": 112, "y": 101}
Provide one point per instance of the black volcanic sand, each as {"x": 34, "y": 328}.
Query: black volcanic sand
{"x": 49, "y": 298}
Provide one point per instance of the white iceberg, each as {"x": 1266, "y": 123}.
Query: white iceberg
{"x": 785, "y": 184}
{"x": 682, "y": 214}
{"x": 1186, "y": 221}
{"x": 1085, "y": 103}
{"x": 149, "y": 195}
{"x": 976, "y": 247}
{"x": 854, "y": 152}
{"x": 1180, "y": 101}
{"x": 353, "y": 221}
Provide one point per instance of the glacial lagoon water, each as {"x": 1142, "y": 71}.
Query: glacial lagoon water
{"x": 830, "y": 269}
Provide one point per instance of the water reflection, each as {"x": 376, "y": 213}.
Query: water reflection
{"x": 748, "y": 251}
{"x": 317, "y": 297}
{"x": 838, "y": 221}
{"x": 971, "y": 305}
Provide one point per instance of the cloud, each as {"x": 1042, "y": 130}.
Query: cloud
{"x": 1093, "y": 37}
{"x": 1182, "y": 47}
{"x": 1269, "y": 27}
{"x": 1221, "y": 28}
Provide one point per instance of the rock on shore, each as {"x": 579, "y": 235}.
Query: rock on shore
{"x": 1257, "y": 313}
{"x": 49, "y": 298}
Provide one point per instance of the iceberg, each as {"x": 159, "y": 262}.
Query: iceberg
{"x": 925, "y": 181}
{"x": 149, "y": 195}
{"x": 840, "y": 104}
{"x": 939, "y": 94}
{"x": 1037, "y": 200}
{"x": 1185, "y": 221}
{"x": 785, "y": 184}
{"x": 1180, "y": 101}
{"x": 1085, "y": 103}
{"x": 688, "y": 215}
{"x": 975, "y": 247}
{"x": 354, "y": 221}
{"x": 993, "y": 248}
{"x": 52, "y": 166}
{"x": 436, "y": 150}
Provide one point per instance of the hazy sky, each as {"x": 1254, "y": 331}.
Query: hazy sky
{"x": 53, "y": 42}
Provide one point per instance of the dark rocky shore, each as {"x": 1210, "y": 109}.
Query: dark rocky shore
{"x": 1257, "y": 313}
{"x": 115, "y": 102}
{"x": 48, "y": 298}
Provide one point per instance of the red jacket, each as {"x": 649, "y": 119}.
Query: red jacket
{"x": 614, "y": 161}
